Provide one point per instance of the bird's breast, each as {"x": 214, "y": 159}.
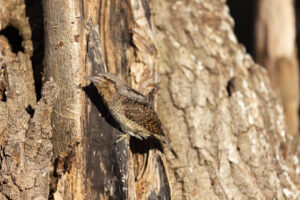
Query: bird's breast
{"x": 127, "y": 125}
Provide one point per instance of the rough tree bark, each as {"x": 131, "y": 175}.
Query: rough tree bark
{"x": 276, "y": 50}
{"x": 89, "y": 162}
{"x": 217, "y": 107}
{"x": 25, "y": 143}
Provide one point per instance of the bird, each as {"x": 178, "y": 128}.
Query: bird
{"x": 130, "y": 109}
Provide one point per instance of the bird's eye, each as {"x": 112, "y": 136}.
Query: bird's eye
{"x": 109, "y": 80}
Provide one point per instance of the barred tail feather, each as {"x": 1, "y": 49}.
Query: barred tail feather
{"x": 171, "y": 149}
{"x": 163, "y": 140}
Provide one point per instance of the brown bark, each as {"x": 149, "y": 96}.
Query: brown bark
{"x": 219, "y": 108}
{"x": 25, "y": 141}
{"x": 276, "y": 50}
{"x": 25, "y": 136}
{"x": 100, "y": 168}
{"x": 216, "y": 105}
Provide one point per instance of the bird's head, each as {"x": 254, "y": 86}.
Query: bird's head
{"x": 105, "y": 82}
{"x": 108, "y": 85}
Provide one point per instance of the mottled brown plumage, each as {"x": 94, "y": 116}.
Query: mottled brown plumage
{"x": 130, "y": 109}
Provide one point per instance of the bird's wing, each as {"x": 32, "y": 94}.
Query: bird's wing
{"x": 137, "y": 96}
{"x": 143, "y": 114}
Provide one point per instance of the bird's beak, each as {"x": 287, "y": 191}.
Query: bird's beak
{"x": 94, "y": 79}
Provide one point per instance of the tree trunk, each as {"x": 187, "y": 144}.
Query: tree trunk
{"x": 218, "y": 107}
{"x": 98, "y": 166}
{"x": 25, "y": 124}
{"x": 276, "y": 50}
{"x": 215, "y": 104}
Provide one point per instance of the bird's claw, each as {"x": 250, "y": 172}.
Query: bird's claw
{"x": 121, "y": 137}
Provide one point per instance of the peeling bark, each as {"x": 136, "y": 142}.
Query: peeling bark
{"x": 108, "y": 170}
{"x": 26, "y": 148}
{"x": 217, "y": 107}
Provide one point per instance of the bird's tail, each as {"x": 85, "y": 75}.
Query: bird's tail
{"x": 171, "y": 149}
{"x": 163, "y": 140}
